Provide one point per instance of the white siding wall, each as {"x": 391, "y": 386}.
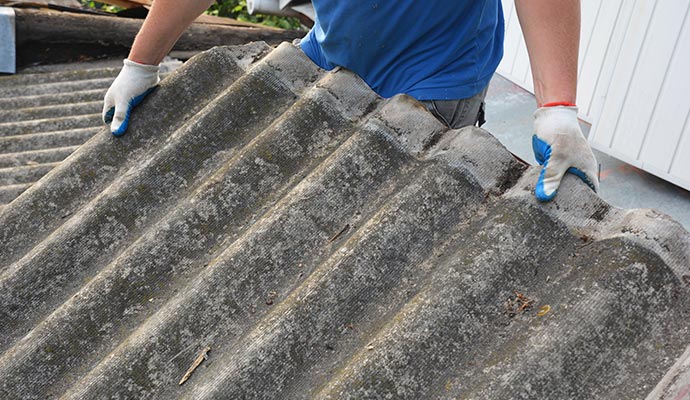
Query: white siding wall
{"x": 634, "y": 80}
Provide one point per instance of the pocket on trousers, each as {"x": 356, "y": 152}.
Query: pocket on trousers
{"x": 460, "y": 113}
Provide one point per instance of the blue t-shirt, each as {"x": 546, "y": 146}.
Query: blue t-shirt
{"x": 431, "y": 50}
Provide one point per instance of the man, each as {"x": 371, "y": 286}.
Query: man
{"x": 442, "y": 52}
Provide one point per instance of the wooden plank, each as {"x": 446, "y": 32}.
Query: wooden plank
{"x": 42, "y": 3}
{"x": 61, "y": 27}
{"x": 645, "y": 84}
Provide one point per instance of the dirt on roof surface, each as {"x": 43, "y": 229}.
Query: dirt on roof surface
{"x": 313, "y": 240}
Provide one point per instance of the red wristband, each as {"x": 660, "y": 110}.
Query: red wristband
{"x": 559, "y": 103}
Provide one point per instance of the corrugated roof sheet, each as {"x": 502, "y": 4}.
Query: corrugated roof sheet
{"x": 46, "y": 112}
{"x": 324, "y": 243}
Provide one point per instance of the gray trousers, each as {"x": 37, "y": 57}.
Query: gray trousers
{"x": 457, "y": 114}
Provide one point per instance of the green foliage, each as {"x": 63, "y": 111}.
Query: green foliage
{"x": 238, "y": 9}
{"x": 100, "y": 6}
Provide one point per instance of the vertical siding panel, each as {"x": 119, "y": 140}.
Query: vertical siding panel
{"x": 512, "y": 41}
{"x": 521, "y": 65}
{"x": 507, "y": 9}
{"x": 593, "y": 53}
{"x": 515, "y": 63}
{"x": 645, "y": 85}
{"x": 615, "y": 47}
{"x": 625, "y": 68}
{"x": 529, "y": 82}
{"x": 664, "y": 132}
{"x": 590, "y": 14}
{"x": 680, "y": 167}
{"x": 597, "y": 50}
{"x": 633, "y": 82}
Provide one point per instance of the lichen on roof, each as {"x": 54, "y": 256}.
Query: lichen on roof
{"x": 323, "y": 242}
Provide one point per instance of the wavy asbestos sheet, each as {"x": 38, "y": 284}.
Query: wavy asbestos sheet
{"x": 314, "y": 241}
{"x": 45, "y": 114}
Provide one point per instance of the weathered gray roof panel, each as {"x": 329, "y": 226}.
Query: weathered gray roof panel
{"x": 42, "y": 115}
{"x": 46, "y": 110}
{"x": 324, "y": 243}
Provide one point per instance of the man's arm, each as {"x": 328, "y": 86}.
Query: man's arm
{"x": 552, "y": 33}
{"x": 164, "y": 24}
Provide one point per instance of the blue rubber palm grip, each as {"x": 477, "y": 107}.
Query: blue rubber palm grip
{"x": 133, "y": 102}
{"x": 108, "y": 117}
{"x": 542, "y": 153}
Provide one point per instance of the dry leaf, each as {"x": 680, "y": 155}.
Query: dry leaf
{"x": 543, "y": 310}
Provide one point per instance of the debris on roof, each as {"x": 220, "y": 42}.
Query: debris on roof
{"x": 325, "y": 243}
{"x": 46, "y": 112}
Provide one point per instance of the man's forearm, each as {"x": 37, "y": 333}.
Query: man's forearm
{"x": 552, "y": 33}
{"x": 165, "y": 23}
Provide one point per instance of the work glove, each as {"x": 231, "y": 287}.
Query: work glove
{"x": 134, "y": 82}
{"x": 559, "y": 147}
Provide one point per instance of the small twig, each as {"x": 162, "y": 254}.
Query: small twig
{"x": 337, "y": 235}
{"x": 182, "y": 351}
{"x": 524, "y": 301}
{"x": 582, "y": 246}
{"x": 199, "y": 359}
